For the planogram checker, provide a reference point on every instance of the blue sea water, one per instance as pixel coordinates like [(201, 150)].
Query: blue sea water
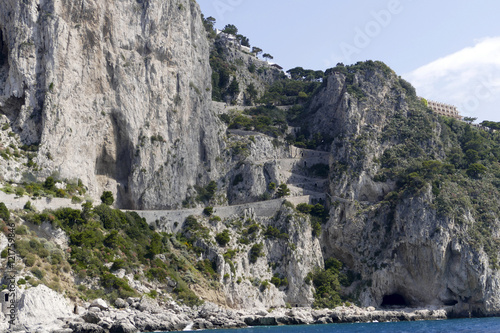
[(475, 325)]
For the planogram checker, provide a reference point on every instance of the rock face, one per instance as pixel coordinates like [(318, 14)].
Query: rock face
[(109, 93), (292, 256), (249, 71), (42, 307), (406, 251), (117, 93)]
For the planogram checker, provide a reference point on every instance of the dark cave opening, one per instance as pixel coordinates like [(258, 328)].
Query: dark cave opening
[(393, 300)]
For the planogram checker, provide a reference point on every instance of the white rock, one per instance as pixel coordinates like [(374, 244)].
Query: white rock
[(149, 305), (43, 306), (100, 303), (4, 242)]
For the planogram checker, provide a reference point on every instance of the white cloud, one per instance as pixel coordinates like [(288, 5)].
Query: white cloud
[(469, 79)]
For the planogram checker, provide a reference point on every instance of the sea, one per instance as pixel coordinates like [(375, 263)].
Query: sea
[(474, 325)]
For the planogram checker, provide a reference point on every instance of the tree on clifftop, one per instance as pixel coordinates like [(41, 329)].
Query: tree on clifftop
[(267, 56), (243, 40), (209, 24), (256, 50), (230, 29), (470, 120)]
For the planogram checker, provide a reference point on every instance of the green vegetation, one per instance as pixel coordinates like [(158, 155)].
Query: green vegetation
[(230, 29), (107, 198), (256, 252), (223, 238), (158, 137), (290, 92), (458, 163), (273, 232), (267, 56), (208, 210), (251, 91), (214, 219), (192, 230), (221, 74), (209, 24), (327, 285), (489, 124), (49, 184), (283, 191), (98, 235), (48, 188), (475, 170), (234, 88), (4, 212), (225, 86), (250, 233), (278, 281), (265, 119), (207, 267), (304, 139), (205, 194), (318, 216), (27, 206), (301, 74)]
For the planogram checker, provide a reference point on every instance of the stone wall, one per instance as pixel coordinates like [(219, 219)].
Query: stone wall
[(171, 220)]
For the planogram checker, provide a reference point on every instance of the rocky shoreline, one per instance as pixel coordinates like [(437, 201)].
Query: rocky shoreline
[(145, 316), (148, 315)]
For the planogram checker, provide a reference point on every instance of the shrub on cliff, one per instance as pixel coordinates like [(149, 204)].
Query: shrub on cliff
[(326, 284), (156, 246), (4, 212), (283, 191), (208, 210), (205, 194), (223, 238), (107, 198), (50, 184), (256, 252), (475, 170)]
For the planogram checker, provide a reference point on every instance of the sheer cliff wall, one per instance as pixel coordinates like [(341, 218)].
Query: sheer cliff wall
[(116, 93)]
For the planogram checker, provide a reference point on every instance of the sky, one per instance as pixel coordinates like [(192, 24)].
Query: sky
[(449, 50)]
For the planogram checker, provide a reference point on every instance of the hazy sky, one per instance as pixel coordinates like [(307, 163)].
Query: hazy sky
[(449, 50)]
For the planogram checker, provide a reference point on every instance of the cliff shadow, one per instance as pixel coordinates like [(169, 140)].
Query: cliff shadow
[(4, 62), (9, 105), (114, 160)]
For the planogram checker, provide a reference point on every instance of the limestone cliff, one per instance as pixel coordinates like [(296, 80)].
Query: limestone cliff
[(113, 93), (400, 213), (289, 256), (230, 62), (118, 94)]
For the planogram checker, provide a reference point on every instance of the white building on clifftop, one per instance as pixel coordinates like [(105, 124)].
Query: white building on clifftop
[(444, 109)]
